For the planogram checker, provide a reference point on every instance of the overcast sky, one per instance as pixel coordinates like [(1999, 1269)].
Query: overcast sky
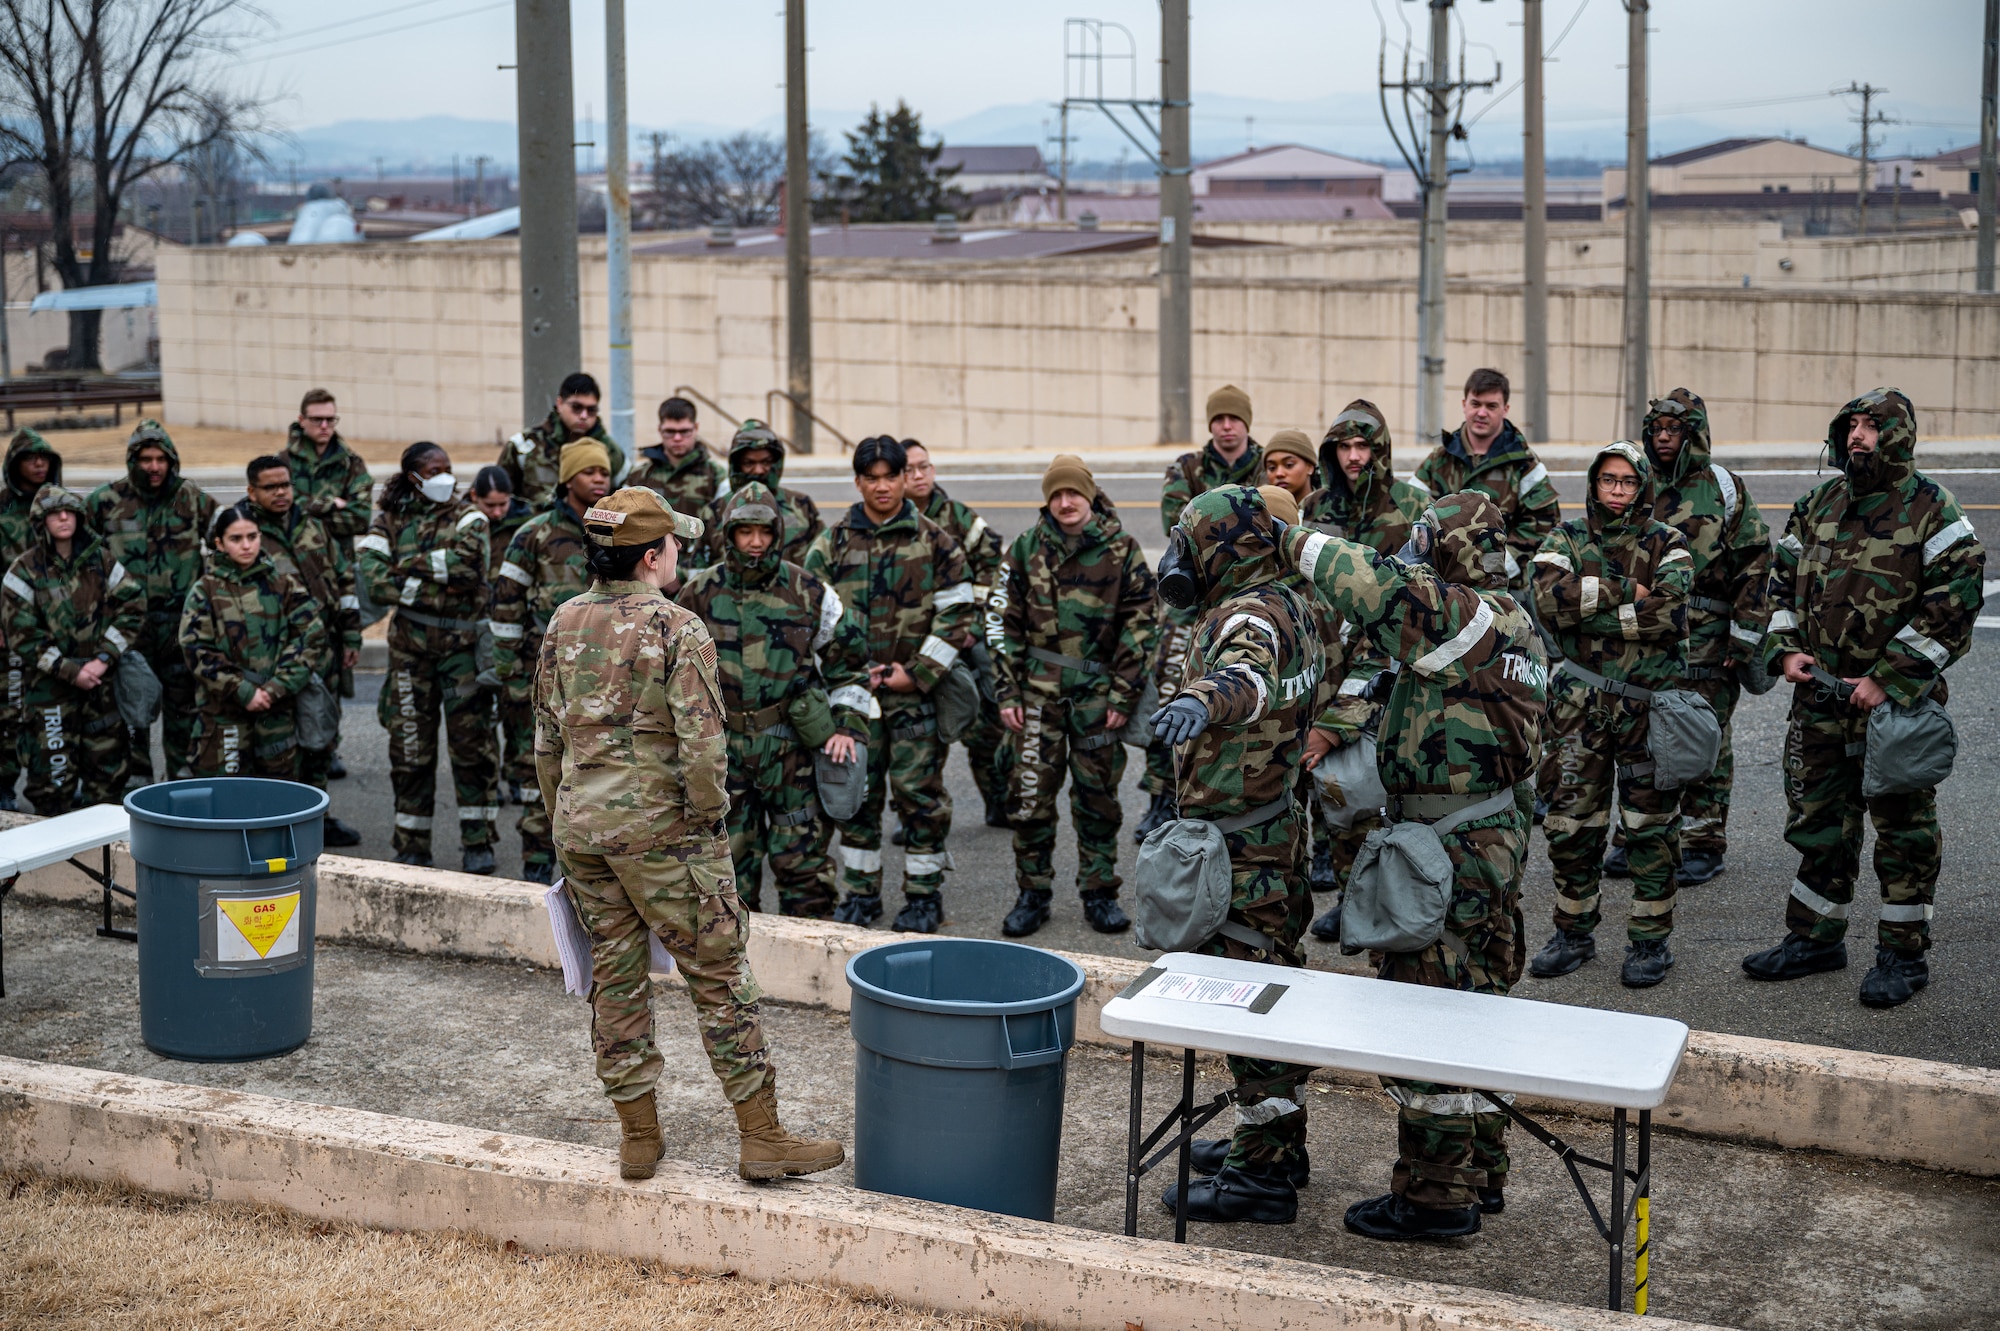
[(721, 65)]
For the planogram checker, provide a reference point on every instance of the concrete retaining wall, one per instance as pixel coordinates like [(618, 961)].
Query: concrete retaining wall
[(376, 1169), (1770, 1092)]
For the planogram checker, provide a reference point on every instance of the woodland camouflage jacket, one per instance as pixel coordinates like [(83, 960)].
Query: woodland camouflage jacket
[(908, 583), (298, 544), (629, 746), (17, 494), (1511, 476), (250, 628), (60, 613), (1879, 572), (1465, 715), (1254, 662), (429, 558), (320, 478), (690, 485), (544, 566), (1586, 580), (159, 535), (1729, 605), (531, 457), (1088, 597)]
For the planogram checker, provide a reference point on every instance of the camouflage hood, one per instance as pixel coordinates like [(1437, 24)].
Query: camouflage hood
[(752, 505), (53, 498), (1896, 454), (26, 444), (1231, 542), (1637, 513), (1468, 539), (1359, 419), (150, 433), (1692, 412), (756, 434)]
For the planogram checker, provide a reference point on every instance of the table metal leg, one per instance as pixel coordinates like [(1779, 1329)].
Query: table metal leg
[(108, 886), (1132, 1133), (1617, 1210), (1187, 1145), (1642, 1204), (5, 888)]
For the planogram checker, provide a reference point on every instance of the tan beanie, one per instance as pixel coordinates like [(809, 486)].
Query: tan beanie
[(1279, 500), (1295, 443), (1229, 400), (581, 456), (1067, 472)]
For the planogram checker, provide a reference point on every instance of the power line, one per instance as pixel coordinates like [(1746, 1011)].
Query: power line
[(341, 23), (384, 32)]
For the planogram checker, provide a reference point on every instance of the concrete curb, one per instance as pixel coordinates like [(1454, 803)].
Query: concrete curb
[(376, 1169), (1768, 1092)]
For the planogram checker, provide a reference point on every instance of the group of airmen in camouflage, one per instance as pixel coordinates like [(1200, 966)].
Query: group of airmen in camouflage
[(658, 672)]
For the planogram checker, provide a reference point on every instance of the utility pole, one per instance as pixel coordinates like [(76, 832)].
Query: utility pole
[(798, 231), (1869, 118), (1989, 151), (1534, 231), (6, 351), (479, 184), (551, 342), (1638, 223), (1176, 230), (618, 229), (1062, 166)]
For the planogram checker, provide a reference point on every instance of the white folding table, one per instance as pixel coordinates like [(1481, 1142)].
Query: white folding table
[(64, 837), (1323, 1020)]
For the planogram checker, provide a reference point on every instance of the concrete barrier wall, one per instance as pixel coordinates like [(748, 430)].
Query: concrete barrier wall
[(422, 340), (376, 1169), (1770, 1092)]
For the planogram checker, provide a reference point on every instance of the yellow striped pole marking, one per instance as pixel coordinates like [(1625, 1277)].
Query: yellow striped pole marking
[(1644, 1206)]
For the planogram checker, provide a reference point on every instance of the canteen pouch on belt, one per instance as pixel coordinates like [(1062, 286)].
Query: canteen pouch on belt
[(956, 698), (1909, 748), (316, 716), (137, 691), (1349, 784), (1138, 731), (1682, 737), (841, 785), (1181, 883), (810, 716), (1398, 891)]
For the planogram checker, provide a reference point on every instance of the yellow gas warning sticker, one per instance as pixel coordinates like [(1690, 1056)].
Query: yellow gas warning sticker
[(254, 928)]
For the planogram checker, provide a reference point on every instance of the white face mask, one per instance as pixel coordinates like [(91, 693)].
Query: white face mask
[(439, 488)]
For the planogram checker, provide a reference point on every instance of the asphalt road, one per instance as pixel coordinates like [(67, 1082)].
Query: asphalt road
[(1957, 1019)]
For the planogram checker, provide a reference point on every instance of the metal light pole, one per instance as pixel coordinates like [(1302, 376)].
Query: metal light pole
[(1176, 230), (1638, 223), (1989, 158), (1430, 252), (551, 342), (618, 229), (798, 231), (1534, 231)]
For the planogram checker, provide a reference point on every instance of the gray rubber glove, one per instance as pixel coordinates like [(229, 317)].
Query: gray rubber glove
[(1180, 720)]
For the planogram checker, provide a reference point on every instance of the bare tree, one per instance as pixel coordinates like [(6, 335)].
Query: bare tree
[(98, 95), (736, 180)]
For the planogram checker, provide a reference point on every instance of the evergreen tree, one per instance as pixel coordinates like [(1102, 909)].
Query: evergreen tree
[(889, 174)]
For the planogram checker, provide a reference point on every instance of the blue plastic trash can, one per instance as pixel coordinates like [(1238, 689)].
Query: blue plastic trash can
[(961, 1046), (227, 904)]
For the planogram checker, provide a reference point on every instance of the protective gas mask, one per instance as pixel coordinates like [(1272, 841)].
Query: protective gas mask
[(439, 488), (1180, 576), (1417, 548)]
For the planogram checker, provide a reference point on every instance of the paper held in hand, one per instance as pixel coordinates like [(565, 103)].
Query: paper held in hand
[(573, 944)]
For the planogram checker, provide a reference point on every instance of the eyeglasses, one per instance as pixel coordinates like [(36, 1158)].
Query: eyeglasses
[(583, 408), (275, 486), (678, 432), (322, 420), (1618, 484)]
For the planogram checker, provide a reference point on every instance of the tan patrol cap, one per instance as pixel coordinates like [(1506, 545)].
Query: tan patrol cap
[(636, 515)]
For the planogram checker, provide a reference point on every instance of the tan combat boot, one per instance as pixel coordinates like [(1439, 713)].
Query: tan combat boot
[(768, 1151), (640, 1147)]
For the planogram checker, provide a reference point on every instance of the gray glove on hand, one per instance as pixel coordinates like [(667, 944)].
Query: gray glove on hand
[(1180, 720)]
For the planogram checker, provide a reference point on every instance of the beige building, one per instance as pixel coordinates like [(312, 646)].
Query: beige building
[(1744, 167)]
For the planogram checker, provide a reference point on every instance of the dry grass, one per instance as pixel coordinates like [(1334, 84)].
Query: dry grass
[(89, 1255)]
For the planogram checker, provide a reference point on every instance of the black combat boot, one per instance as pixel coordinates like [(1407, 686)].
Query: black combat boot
[(1617, 864), (1208, 1157), (1796, 958), (996, 813), (336, 770), (1541, 810), (477, 859), (337, 833), (1895, 978), (1327, 927), (538, 873), (1261, 1197), (899, 837), (1492, 1201), (862, 908), (420, 858), (1160, 811), (920, 915), (1697, 867), (1322, 877), (1392, 1219), (1031, 912), (1102, 912), (1646, 963), (8, 803), (1563, 953)]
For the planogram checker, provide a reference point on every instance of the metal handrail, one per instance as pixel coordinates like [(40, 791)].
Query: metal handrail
[(707, 401), (811, 415)]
